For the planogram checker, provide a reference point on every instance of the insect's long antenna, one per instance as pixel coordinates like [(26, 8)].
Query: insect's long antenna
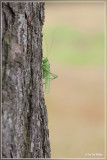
[(49, 50), (52, 41), (46, 44)]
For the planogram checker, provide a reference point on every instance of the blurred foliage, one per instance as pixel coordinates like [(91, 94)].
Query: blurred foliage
[(69, 46), (74, 33)]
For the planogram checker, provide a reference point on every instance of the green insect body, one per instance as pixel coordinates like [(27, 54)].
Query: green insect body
[(47, 74)]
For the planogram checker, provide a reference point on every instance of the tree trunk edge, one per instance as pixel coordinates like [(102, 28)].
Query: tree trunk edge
[(24, 113)]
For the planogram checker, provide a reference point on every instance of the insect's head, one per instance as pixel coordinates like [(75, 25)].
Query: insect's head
[(45, 60)]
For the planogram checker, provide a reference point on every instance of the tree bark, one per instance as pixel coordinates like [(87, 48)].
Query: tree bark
[(24, 115)]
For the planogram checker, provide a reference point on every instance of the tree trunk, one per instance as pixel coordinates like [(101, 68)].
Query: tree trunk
[(24, 115)]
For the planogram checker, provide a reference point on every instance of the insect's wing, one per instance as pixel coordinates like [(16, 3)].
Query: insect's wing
[(44, 74), (47, 82)]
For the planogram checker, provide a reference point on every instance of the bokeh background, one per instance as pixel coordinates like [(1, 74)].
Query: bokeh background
[(73, 41)]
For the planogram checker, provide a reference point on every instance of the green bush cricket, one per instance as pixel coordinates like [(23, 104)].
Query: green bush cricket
[(47, 75)]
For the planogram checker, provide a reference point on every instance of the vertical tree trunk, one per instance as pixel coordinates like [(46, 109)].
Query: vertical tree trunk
[(24, 116)]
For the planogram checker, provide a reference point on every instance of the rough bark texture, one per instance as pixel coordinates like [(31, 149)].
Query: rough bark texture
[(24, 116)]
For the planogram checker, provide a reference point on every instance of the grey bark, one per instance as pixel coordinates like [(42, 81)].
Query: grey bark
[(25, 131)]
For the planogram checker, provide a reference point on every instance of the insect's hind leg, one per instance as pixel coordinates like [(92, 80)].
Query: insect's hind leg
[(54, 76)]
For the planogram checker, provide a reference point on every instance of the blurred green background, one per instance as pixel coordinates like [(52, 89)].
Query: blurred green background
[(73, 41)]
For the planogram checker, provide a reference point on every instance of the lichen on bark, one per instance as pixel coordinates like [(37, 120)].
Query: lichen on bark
[(25, 131)]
